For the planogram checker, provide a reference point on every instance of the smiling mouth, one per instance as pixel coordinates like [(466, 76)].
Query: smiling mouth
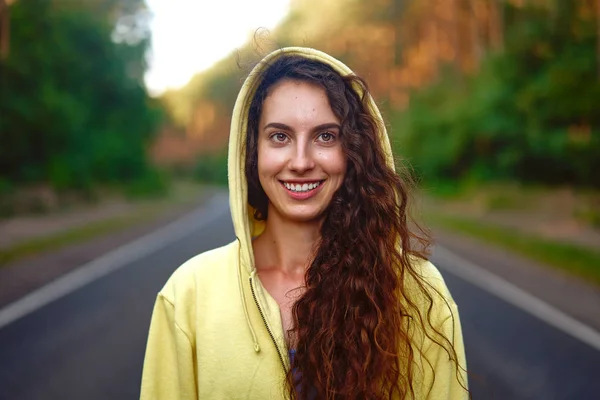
[(302, 187)]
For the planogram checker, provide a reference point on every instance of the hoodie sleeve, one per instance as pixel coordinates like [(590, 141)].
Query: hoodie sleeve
[(169, 371), (443, 379), (447, 381)]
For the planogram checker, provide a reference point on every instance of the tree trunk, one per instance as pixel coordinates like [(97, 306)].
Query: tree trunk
[(598, 38), (455, 32), (396, 25), (435, 48), (497, 25), (475, 33), (4, 29)]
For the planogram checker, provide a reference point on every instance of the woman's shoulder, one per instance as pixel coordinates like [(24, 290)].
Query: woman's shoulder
[(209, 268), (429, 286), (437, 337), (426, 270)]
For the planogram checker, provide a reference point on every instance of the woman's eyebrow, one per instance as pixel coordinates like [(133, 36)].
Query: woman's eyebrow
[(277, 125), (329, 125)]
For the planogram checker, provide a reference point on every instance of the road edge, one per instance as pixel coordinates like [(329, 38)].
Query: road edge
[(113, 260)]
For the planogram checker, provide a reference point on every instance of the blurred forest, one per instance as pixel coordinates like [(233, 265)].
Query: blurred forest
[(74, 112), (476, 90), (473, 90)]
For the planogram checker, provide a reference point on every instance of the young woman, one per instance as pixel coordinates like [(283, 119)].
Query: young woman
[(323, 294)]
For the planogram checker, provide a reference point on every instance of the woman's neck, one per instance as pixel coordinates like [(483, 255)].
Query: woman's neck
[(287, 245)]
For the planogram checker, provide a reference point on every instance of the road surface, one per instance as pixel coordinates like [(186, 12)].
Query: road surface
[(89, 343)]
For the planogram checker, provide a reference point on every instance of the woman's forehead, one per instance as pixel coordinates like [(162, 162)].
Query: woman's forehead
[(298, 103)]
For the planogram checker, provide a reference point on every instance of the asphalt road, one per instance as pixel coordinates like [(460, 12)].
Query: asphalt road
[(90, 343), (512, 355)]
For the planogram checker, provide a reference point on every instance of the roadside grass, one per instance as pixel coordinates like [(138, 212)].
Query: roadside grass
[(71, 236), (582, 205), (571, 258), (145, 211)]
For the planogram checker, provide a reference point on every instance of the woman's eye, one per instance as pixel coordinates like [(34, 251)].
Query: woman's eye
[(327, 137), (279, 137)]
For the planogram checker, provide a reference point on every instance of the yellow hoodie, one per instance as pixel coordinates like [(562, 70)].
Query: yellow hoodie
[(216, 333)]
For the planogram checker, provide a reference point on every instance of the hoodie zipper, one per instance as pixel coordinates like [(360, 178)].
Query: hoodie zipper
[(266, 325)]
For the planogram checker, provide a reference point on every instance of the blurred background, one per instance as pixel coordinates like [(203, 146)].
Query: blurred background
[(114, 121)]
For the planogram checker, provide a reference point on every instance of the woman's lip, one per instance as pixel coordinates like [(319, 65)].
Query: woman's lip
[(302, 195), (301, 182)]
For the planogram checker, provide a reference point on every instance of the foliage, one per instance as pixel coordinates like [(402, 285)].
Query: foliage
[(74, 109), (575, 259), (212, 169), (475, 90), (530, 113)]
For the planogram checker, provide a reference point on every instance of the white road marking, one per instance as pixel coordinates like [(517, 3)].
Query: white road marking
[(184, 226), (114, 260), (510, 293)]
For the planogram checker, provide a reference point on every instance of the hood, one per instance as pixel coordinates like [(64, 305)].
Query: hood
[(245, 226)]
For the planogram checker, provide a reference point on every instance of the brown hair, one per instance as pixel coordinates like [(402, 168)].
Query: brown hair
[(352, 321)]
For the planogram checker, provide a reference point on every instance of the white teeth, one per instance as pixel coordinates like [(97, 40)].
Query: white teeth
[(301, 187)]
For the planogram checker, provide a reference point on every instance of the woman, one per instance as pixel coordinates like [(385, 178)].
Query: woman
[(323, 294)]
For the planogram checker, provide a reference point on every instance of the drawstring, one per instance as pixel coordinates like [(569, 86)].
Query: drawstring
[(244, 304)]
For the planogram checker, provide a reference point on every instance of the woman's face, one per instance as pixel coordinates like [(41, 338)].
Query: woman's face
[(301, 162)]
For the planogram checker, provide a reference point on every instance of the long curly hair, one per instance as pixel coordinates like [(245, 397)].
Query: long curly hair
[(352, 322)]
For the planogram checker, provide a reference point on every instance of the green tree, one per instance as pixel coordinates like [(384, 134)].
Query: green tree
[(74, 111)]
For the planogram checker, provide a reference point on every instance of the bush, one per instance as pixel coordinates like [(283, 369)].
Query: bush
[(212, 169), (154, 183), (530, 114), (74, 109)]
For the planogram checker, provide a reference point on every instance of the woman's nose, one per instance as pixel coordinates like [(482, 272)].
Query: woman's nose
[(301, 160)]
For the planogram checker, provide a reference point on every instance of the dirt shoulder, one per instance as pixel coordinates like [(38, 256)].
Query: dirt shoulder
[(131, 220), (571, 294), (555, 227), (544, 241), (561, 214)]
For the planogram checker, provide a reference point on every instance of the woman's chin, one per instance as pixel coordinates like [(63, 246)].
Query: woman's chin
[(300, 214)]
